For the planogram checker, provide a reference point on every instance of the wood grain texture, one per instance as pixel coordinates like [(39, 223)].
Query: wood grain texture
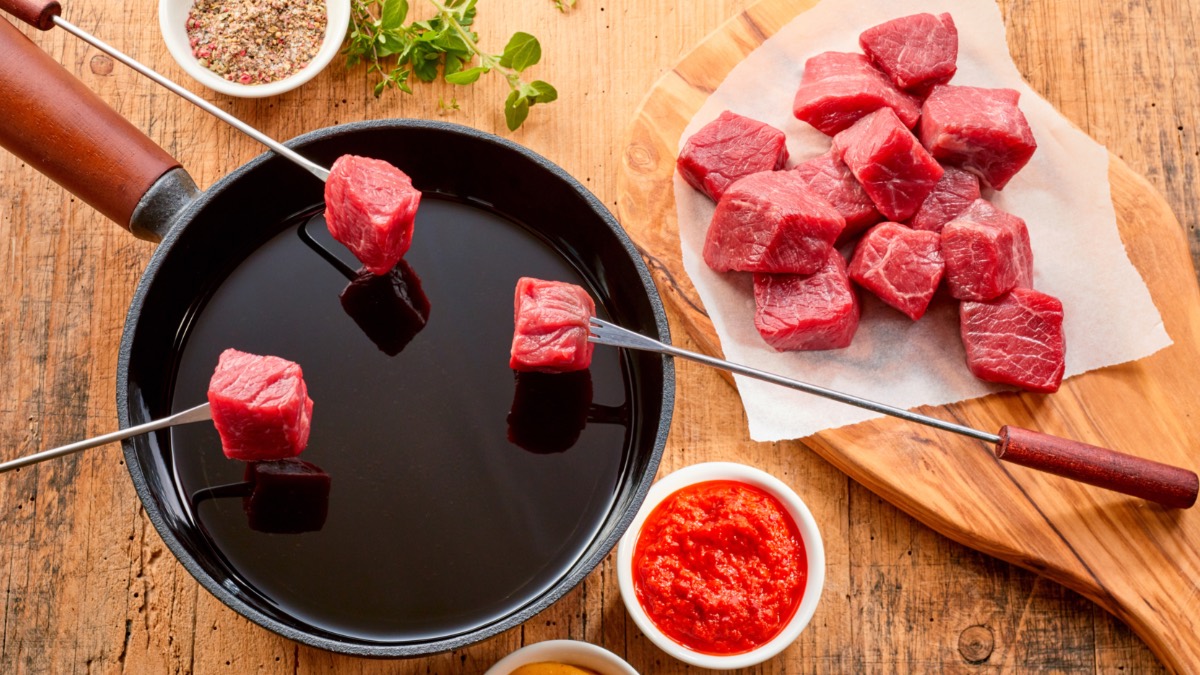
[(89, 587)]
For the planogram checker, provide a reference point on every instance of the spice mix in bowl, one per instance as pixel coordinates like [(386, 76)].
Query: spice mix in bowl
[(253, 48)]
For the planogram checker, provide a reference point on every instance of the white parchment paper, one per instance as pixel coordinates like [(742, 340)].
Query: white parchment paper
[(1063, 195)]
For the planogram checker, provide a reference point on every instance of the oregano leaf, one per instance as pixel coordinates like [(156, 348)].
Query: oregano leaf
[(522, 51), (393, 15)]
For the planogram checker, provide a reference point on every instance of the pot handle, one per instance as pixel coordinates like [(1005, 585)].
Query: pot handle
[(61, 128), (37, 13)]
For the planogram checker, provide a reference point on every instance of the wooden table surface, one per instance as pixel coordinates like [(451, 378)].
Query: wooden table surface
[(88, 586)]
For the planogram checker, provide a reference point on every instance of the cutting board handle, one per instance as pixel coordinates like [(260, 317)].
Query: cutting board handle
[(55, 124), (1162, 483), (37, 13)]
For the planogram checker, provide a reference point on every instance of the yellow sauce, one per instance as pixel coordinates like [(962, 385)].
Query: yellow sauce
[(551, 669)]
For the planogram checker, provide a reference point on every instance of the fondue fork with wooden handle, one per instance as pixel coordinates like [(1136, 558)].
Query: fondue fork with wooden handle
[(45, 14), (1162, 483)]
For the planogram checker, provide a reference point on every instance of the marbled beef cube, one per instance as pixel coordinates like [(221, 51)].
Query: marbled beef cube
[(807, 312), (837, 64), (771, 222), (838, 89), (1016, 339), (260, 406), (956, 191), (900, 265), (892, 167), (917, 51), (981, 130), (728, 148), (829, 177), (987, 253), (551, 327), (370, 207)]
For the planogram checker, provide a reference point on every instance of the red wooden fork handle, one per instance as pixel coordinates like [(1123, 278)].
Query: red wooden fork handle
[(1162, 483), (37, 13)]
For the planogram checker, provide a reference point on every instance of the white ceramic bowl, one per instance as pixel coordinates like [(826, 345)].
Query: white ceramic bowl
[(570, 652), (814, 550), (172, 17)]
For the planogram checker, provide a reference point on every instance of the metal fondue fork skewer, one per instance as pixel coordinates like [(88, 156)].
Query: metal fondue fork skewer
[(1162, 483), (198, 414)]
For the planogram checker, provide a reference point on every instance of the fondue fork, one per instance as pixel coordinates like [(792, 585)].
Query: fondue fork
[(198, 414), (1168, 485)]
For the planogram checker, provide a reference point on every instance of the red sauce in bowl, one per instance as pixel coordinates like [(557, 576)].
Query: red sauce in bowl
[(720, 567)]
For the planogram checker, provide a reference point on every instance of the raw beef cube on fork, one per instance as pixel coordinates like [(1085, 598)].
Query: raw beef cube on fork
[(956, 191), (900, 265), (1016, 339), (917, 51), (807, 312), (771, 222), (886, 159), (829, 177), (728, 148), (551, 327), (981, 130), (260, 406), (370, 207), (838, 88), (987, 253)]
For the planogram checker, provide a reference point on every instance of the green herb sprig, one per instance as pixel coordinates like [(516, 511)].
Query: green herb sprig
[(378, 33)]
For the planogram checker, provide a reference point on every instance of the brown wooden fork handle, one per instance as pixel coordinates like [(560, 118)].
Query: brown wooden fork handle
[(1162, 483), (55, 124), (37, 13)]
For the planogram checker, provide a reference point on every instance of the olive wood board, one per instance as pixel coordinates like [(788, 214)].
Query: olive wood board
[(1137, 560)]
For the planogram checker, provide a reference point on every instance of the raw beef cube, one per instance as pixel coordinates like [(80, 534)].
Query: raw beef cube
[(771, 222), (370, 206), (829, 177), (391, 309), (987, 252), (728, 148), (288, 496), (836, 64), (838, 89), (1016, 339), (951, 196), (549, 412), (260, 406), (807, 312), (917, 51), (551, 327), (981, 130), (901, 266), (894, 170)]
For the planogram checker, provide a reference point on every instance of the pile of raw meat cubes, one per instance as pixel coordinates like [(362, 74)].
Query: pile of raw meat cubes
[(901, 187)]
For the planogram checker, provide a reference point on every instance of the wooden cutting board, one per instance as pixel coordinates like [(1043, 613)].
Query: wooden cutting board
[(1137, 560)]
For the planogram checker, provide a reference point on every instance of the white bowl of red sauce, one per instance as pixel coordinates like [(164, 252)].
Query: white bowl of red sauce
[(722, 567)]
